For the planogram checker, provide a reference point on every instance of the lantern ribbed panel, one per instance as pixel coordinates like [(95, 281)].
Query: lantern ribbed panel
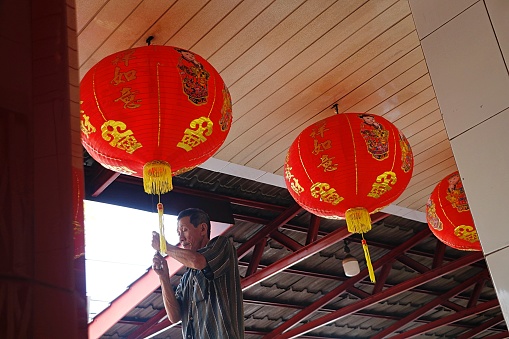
[(449, 217), (152, 95), (349, 160)]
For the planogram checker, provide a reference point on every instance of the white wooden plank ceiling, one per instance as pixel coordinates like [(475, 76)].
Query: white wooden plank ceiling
[(286, 62)]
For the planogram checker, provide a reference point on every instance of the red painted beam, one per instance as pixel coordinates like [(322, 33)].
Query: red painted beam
[(481, 328), (296, 257), (314, 226), (439, 254), (390, 292), (324, 300), (283, 218), (285, 240), (432, 304), (502, 335), (102, 181), (256, 257), (449, 319), (382, 277), (146, 328), (476, 293)]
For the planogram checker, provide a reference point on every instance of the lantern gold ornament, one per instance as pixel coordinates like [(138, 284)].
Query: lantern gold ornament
[(349, 165)]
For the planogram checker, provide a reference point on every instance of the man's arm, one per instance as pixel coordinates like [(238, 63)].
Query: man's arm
[(171, 303), (188, 258)]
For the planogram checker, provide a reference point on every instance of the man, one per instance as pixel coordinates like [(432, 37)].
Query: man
[(208, 299)]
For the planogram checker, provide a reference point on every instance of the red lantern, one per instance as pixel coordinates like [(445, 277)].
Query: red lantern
[(349, 166), (449, 217), (154, 112)]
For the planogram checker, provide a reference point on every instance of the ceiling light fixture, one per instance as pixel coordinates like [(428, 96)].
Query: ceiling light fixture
[(350, 263)]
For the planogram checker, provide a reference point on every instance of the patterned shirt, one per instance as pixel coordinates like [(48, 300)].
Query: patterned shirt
[(211, 299)]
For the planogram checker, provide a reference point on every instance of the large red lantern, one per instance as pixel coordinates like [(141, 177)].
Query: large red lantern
[(154, 112), (349, 166), (449, 217)]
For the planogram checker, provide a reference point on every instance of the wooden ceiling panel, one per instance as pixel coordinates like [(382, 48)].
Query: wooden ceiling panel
[(99, 30), (87, 12), (409, 106), (228, 27), (200, 24), (260, 26), (168, 24), (294, 113), (286, 63), (418, 148)]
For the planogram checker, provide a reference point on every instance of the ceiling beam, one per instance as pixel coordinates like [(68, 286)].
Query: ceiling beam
[(449, 319), (256, 257), (432, 304), (390, 292), (283, 218), (314, 226), (324, 300), (482, 327), (296, 257)]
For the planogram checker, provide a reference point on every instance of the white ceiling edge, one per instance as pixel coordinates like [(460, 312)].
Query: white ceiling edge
[(222, 166)]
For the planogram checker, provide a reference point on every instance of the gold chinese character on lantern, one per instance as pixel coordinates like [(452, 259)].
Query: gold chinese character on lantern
[(321, 146), (318, 131), (125, 57), (327, 194), (467, 233), (120, 77), (116, 133), (194, 136), (383, 184), (128, 97), (327, 164), (296, 187), (86, 126)]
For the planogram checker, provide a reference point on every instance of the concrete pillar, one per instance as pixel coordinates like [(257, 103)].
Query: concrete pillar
[(466, 46), (39, 145)]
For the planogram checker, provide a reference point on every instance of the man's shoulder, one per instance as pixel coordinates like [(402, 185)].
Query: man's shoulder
[(220, 239)]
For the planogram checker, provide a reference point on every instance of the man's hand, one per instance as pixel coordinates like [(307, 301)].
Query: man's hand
[(160, 265), (155, 241)]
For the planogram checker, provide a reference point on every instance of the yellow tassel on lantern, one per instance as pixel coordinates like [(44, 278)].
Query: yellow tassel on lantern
[(162, 240), (358, 220), (368, 260), (157, 177)]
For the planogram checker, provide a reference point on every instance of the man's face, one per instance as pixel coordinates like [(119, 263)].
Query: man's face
[(191, 238)]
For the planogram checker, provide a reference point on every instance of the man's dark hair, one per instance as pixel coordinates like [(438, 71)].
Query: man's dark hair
[(196, 217)]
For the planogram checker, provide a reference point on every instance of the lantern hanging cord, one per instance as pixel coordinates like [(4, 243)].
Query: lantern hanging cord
[(149, 40), (346, 248)]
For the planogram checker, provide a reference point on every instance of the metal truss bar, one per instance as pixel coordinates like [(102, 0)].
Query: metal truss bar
[(324, 300), (294, 258), (449, 319), (390, 292), (432, 304), (284, 217)]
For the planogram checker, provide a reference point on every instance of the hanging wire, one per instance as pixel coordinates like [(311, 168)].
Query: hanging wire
[(149, 40), (346, 248)]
